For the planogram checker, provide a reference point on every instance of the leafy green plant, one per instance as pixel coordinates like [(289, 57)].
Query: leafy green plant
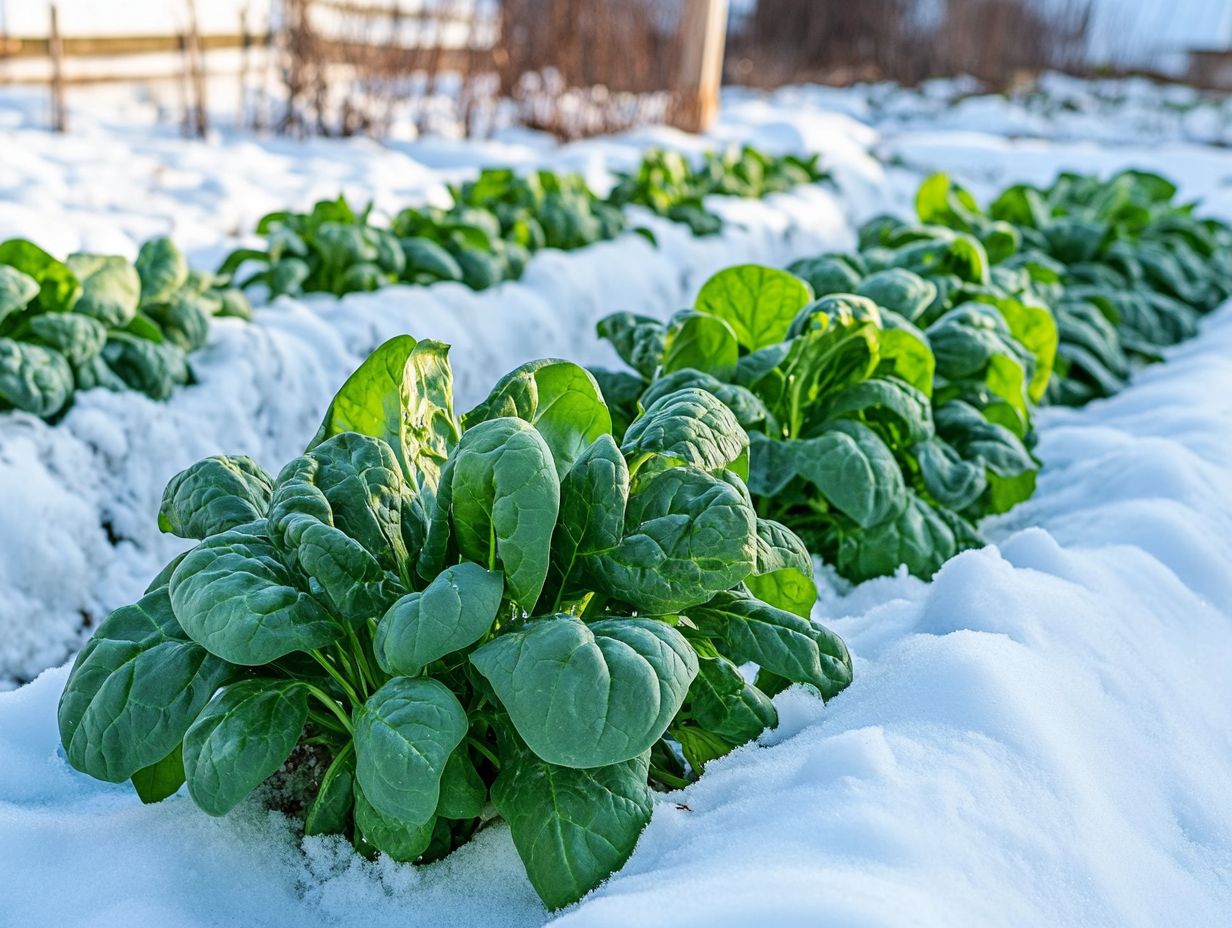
[(100, 321), (878, 443), (542, 209), (507, 610), (669, 185), (1125, 270), (331, 248)]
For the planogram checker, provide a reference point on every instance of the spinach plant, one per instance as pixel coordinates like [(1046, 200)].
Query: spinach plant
[(101, 321), (509, 612), (1124, 269), (865, 440), (332, 248), (669, 185)]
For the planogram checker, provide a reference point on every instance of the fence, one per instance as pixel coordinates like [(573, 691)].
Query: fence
[(340, 67)]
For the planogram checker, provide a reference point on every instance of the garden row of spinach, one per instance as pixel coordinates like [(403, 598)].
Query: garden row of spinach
[(593, 583), (430, 616), (890, 393), (95, 320), (496, 222), (101, 321)]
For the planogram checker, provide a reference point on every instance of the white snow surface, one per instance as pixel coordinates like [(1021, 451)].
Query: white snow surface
[(1037, 737)]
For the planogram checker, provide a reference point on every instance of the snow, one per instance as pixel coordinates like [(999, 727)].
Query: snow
[(87, 541), (1036, 737)]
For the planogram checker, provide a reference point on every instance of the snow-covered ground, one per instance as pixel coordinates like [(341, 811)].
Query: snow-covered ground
[(1037, 737), (1056, 107), (78, 500)]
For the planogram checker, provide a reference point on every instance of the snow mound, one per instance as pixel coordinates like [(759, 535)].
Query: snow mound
[(1037, 737)]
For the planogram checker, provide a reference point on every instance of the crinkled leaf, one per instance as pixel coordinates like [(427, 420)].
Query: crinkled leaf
[(162, 269), (783, 571), (404, 735), (402, 394), (134, 690), (920, 537), (245, 734), (110, 288), (593, 495), (687, 535), (453, 612), (234, 597), (152, 368), (848, 464), (78, 338), (639, 340), (33, 378), (560, 399), (16, 290), (336, 515), (723, 702), (214, 495), (689, 426), (586, 696), (776, 640), (505, 497)]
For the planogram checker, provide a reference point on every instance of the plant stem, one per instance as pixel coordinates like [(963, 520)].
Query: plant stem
[(484, 750), (361, 661), (330, 703), (338, 678), (668, 779)]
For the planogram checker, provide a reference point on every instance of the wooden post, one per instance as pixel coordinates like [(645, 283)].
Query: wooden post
[(196, 72), (59, 113), (241, 118), (703, 32)]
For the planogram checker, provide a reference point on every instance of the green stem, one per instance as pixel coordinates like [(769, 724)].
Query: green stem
[(331, 704), (668, 779), (484, 750), (361, 661), (338, 678), (323, 719)]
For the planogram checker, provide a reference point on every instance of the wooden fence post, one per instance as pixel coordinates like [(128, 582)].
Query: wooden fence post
[(196, 71), (241, 119), (703, 32), (59, 113)]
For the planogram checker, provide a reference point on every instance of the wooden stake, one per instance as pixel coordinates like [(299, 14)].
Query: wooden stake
[(703, 32), (59, 112), (196, 71), (245, 53)]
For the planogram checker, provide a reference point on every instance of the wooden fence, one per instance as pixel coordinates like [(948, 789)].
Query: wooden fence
[(366, 38)]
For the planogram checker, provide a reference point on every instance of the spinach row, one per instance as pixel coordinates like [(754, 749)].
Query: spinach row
[(101, 321), (495, 223)]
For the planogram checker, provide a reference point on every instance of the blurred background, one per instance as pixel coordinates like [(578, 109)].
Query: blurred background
[(574, 69)]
